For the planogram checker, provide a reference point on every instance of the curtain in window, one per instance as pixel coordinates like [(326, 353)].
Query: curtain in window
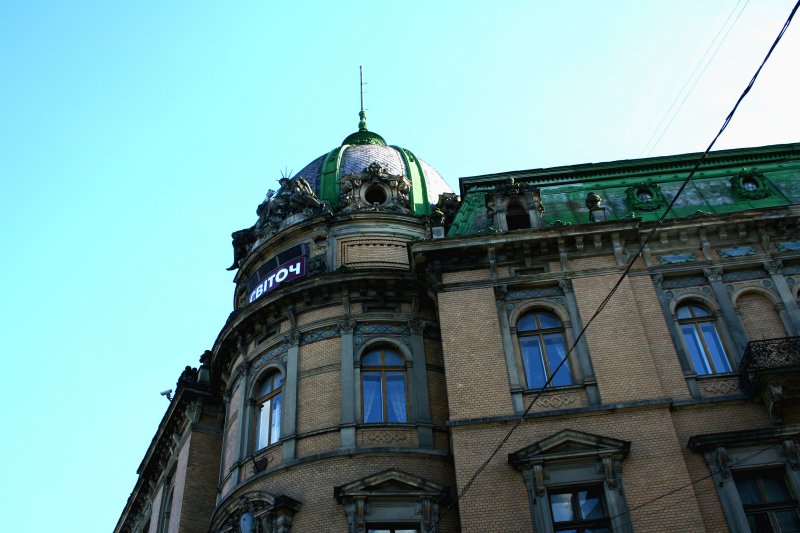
[(396, 396), (373, 405)]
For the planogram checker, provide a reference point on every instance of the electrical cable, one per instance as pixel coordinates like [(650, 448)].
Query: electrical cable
[(627, 270), (702, 59), (697, 80), (674, 491)]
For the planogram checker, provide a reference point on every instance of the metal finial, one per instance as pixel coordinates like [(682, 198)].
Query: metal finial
[(362, 123)]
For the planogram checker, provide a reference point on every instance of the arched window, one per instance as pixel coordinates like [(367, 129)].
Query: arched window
[(702, 339), (268, 410), (543, 348), (383, 386), (517, 217)]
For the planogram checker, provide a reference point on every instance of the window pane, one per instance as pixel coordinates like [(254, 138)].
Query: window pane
[(263, 425), (527, 323), (396, 396), (597, 530), (775, 487), (700, 311), (548, 321), (683, 312), (554, 345), (561, 507), (275, 428), (759, 523), (715, 347), (696, 351), (787, 520), (267, 386), (392, 359), (532, 359), (372, 359), (591, 503), (373, 407), (748, 490)]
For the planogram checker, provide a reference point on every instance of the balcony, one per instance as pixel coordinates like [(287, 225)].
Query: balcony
[(770, 372)]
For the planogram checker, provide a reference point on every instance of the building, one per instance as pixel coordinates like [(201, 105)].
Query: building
[(387, 333)]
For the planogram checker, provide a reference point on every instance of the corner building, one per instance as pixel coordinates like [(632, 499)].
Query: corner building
[(387, 333)]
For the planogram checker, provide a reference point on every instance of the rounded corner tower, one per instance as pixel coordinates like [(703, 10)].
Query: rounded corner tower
[(330, 364)]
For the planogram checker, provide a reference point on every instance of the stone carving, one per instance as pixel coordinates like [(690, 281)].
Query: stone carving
[(374, 189), (387, 437), (446, 208), (294, 201), (556, 402), (721, 387)]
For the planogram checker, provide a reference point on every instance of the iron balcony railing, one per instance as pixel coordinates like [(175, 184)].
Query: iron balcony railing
[(769, 354)]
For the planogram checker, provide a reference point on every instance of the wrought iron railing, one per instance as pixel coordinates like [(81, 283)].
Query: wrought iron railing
[(768, 354)]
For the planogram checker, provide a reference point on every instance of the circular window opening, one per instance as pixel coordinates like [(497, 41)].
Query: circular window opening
[(749, 184), (375, 195), (644, 195)]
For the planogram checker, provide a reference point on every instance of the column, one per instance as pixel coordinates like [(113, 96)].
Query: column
[(589, 380), (688, 371), (347, 429), (289, 422), (422, 405), (732, 321)]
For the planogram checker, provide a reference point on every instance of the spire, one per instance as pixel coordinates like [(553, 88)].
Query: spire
[(362, 115), (363, 135)]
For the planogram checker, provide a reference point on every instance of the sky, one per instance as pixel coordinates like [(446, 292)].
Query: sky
[(135, 136)]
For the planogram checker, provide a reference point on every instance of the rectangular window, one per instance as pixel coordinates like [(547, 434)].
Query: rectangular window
[(579, 510), (767, 501)]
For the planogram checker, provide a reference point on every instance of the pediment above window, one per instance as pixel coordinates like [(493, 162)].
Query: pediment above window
[(390, 483), (569, 445)]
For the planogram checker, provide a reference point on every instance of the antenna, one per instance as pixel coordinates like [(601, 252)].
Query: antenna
[(362, 123), (361, 75)]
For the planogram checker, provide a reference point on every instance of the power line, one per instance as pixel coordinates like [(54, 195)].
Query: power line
[(697, 80), (702, 59), (625, 272)]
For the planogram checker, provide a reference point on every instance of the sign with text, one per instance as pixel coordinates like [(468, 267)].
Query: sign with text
[(296, 268)]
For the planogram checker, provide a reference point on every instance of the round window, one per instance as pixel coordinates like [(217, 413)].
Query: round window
[(375, 194), (644, 195)]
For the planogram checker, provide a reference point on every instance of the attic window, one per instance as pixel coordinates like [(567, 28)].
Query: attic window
[(644, 195), (517, 217), (749, 184), (375, 195)]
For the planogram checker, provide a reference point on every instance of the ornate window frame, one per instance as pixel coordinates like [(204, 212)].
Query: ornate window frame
[(512, 302), (250, 434), (391, 496), (727, 452), (750, 185), (573, 359), (255, 511), (713, 318), (402, 351), (571, 458), (635, 202)]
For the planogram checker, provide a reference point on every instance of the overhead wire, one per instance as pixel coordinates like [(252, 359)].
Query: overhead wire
[(630, 511), (697, 80), (625, 273), (702, 59)]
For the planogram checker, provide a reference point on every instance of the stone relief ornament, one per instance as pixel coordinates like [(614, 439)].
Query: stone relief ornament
[(374, 189), (294, 202)]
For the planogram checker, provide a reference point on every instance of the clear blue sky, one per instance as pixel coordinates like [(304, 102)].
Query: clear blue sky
[(136, 136)]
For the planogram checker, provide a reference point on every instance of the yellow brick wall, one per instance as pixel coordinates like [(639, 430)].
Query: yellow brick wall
[(326, 313), (312, 484), (760, 319), (477, 376), (319, 354), (622, 360), (318, 401), (655, 455)]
